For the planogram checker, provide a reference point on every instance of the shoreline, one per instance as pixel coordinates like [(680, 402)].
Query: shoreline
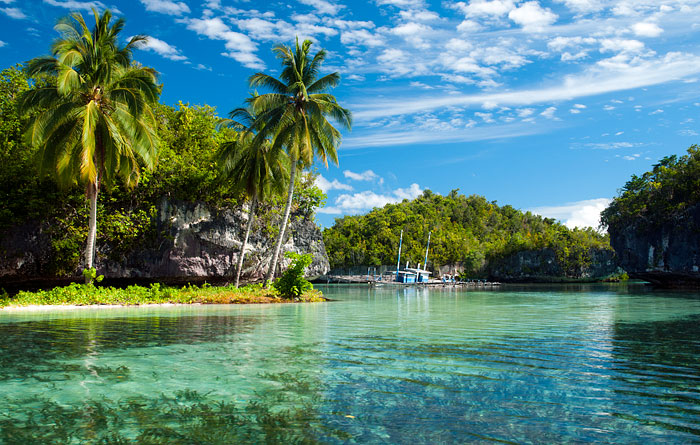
[(42, 307)]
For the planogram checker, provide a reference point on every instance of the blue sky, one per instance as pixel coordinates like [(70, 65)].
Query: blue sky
[(549, 106)]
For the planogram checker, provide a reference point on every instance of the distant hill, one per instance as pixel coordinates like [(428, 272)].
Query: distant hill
[(477, 236)]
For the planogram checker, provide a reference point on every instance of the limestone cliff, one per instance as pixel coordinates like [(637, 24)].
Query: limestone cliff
[(543, 266), (194, 241), (666, 253)]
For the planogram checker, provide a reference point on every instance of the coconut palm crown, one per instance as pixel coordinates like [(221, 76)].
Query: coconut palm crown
[(257, 169), (295, 115), (93, 120)]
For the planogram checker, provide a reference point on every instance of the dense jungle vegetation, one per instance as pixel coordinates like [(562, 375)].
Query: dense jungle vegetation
[(470, 231), (186, 170), (659, 195)]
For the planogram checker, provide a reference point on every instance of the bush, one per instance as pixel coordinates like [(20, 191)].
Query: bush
[(292, 283)]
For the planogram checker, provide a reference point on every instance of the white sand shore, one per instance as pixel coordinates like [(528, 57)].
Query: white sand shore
[(54, 307)]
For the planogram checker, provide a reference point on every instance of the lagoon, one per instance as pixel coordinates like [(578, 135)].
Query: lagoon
[(574, 363)]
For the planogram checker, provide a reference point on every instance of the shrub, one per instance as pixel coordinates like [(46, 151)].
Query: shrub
[(292, 283)]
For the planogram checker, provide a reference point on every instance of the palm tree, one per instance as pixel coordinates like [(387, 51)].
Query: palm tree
[(295, 116), (257, 169), (94, 122)]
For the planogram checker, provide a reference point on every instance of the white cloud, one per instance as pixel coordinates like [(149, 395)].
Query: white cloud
[(323, 6), (549, 113), (162, 48), (166, 7), (387, 137), (2, 43), (657, 111), (607, 145), (647, 29), (532, 17), (367, 175), (593, 81), (367, 200), (634, 157), (361, 37), (583, 6), (688, 133), (326, 185), (576, 214), (240, 47), (481, 8), (402, 3), (621, 45), (15, 13), (77, 5), (580, 106)]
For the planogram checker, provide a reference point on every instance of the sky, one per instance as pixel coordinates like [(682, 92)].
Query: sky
[(549, 106)]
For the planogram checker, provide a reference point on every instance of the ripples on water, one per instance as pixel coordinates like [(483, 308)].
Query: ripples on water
[(580, 364)]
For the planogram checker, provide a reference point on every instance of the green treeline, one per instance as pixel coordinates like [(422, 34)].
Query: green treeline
[(659, 195), (467, 231), (186, 170)]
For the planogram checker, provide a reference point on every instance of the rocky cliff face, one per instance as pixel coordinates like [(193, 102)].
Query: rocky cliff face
[(196, 241), (667, 254), (542, 266)]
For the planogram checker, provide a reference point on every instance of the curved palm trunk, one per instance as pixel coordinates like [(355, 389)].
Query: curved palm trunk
[(290, 194), (251, 218), (92, 190)]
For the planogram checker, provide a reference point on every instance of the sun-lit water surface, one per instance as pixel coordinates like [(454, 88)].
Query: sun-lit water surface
[(387, 365)]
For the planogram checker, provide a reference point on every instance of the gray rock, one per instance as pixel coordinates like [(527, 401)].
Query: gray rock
[(666, 254), (542, 266), (196, 241)]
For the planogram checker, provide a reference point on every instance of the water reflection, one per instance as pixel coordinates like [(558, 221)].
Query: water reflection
[(407, 365)]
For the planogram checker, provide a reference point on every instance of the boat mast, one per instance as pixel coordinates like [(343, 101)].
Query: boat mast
[(425, 264), (398, 262)]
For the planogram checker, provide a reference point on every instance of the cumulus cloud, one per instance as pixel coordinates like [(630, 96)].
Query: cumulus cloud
[(163, 48), (323, 6), (576, 214), (485, 8), (15, 13), (166, 7), (77, 5), (647, 29), (549, 113), (326, 185), (239, 46), (532, 17), (367, 200), (367, 175)]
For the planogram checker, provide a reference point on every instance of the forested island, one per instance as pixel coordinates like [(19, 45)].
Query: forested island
[(654, 223), (472, 236)]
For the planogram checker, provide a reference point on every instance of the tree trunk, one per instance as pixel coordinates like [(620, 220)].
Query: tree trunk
[(251, 218), (92, 190), (290, 194)]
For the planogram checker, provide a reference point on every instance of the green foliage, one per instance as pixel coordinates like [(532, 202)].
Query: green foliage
[(85, 294), (126, 219), (470, 231), (91, 276), (292, 283), (657, 196)]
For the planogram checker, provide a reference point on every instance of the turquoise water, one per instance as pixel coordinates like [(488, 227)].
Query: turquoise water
[(391, 365)]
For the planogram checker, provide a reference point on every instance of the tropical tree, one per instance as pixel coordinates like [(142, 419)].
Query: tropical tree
[(94, 122), (253, 165), (294, 115)]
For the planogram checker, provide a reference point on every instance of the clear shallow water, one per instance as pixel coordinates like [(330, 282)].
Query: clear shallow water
[(529, 364)]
